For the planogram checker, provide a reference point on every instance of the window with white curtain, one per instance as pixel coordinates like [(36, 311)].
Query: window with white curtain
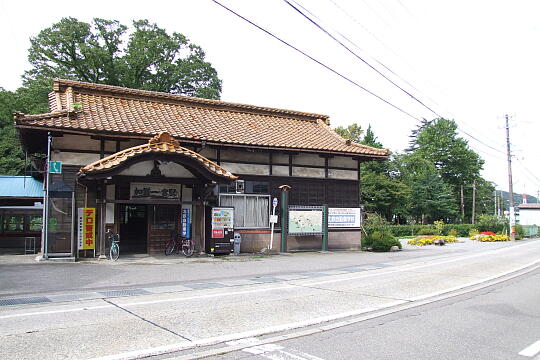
[(250, 211)]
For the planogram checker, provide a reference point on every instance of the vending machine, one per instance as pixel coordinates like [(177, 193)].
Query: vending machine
[(219, 230)]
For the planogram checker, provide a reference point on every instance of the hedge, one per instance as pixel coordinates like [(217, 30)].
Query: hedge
[(414, 230)]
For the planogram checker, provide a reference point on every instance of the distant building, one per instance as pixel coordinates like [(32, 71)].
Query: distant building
[(149, 163), (529, 214), (20, 213)]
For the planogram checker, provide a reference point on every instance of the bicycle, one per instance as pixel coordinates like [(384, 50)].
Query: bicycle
[(114, 250), (179, 243)]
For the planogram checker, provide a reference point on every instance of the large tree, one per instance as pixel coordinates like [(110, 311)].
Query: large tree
[(438, 142), (150, 59), (381, 192), (431, 198), (105, 51)]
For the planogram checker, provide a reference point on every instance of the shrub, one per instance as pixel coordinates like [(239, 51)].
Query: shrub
[(452, 232), (491, 223), (439, 226), (428, 230), (473, 232), (381, 241), (520, 232), (374, 219)]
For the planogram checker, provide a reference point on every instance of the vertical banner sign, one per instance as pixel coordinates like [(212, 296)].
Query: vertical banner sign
[(87, 229), (186, 223)]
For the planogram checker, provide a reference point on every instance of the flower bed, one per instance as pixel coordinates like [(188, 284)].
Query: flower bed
[(491, 237), (430, 240)]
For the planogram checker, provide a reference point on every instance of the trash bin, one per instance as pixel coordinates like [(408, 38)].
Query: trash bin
[(237, 242)]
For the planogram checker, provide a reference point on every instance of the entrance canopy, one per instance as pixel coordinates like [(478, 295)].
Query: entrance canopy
[(161, 147)]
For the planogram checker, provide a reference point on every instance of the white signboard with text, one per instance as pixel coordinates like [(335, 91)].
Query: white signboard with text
[(154, 191), (344, 218)]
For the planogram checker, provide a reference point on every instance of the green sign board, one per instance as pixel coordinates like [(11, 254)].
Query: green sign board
[(55, 167)]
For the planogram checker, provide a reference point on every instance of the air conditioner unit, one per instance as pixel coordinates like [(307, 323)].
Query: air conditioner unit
[(239, 186)]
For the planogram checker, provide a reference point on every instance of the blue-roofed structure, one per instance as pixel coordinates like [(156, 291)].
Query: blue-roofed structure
[(20, 214), (26, 187)]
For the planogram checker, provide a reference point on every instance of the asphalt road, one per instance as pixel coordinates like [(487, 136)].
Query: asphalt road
[(498, 322), (238, 300)]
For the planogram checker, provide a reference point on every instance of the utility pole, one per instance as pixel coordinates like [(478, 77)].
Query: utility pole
[(510, 187), (473, 201), (495, 204), (462, 205)]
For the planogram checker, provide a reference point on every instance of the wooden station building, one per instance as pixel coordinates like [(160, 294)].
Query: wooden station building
[(141, 157)]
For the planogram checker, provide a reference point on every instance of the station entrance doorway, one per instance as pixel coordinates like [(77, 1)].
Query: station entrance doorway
[(133, 228)]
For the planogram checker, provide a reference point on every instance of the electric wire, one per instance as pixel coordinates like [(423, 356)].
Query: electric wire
[(359, 57), (345, 77), (528, 171), (358, 47), (376, 70), (317, 61)]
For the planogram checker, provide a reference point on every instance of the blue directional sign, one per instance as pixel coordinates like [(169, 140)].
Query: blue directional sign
[(55, 167)]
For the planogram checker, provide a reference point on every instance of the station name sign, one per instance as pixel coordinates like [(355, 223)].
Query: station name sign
[(154, 191)]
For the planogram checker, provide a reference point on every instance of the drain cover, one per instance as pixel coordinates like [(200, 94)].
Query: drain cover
[(22, 301)]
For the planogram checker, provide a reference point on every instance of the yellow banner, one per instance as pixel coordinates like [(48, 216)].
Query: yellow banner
[(87, 228)]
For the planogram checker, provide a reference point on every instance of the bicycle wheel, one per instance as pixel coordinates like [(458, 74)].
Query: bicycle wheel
[(188, 248), (115, 251), (169, 247)]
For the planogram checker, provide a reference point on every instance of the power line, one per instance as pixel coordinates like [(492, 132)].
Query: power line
[(373, 68), (356, 45), (317, 61), (527, 170), (343, 76), (358, 56)]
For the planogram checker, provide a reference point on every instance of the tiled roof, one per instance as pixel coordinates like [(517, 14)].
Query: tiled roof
[(162, 143), (529, 206), (104, 109)]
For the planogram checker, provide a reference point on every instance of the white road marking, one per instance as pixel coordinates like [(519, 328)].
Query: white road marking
[(531, 350), (277, 352), (247, 341), (261, 349)]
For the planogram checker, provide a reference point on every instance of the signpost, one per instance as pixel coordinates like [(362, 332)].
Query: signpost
[(273, 221), (55, 167)]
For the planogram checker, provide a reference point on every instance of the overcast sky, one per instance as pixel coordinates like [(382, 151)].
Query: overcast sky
[(471, 61)]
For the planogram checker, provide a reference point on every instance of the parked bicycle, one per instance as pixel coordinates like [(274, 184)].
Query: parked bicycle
[(179, 243), (114, 249)]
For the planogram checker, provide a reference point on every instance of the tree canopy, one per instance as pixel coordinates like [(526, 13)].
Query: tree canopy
[(150, 58), (424, 183), (106, 52)]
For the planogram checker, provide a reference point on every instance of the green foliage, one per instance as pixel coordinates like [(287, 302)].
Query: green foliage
[(439, 226), (520, 232), (461, 230), (11, 155), (374, 219), (150, 59), (352, 132), (432, 197), (384, 195), (491, 223), (102, 52), (453, 232), (381, 241), (428, 230), (473, 232)]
